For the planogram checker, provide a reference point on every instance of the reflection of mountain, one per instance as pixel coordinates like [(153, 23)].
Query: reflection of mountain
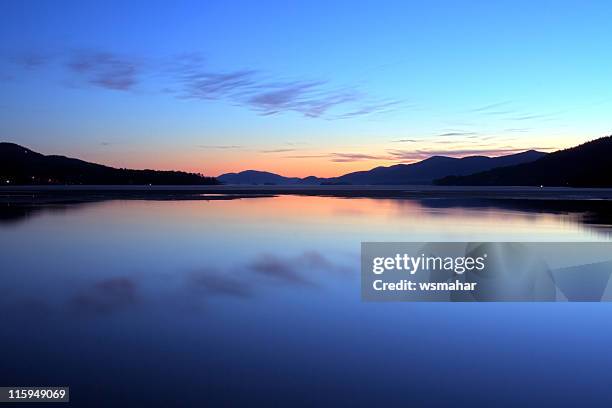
[(14, 214), (19, 165), (592, 212), (587, 165), (423, 172)]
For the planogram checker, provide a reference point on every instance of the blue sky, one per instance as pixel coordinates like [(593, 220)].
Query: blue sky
[(302, 87)]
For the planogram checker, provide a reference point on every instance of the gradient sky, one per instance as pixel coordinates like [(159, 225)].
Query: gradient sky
[(301, 88)]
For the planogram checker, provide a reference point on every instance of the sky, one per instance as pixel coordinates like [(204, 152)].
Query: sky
[(301, 88)]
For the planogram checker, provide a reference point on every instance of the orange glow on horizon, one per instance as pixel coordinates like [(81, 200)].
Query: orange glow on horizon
[(296, 164)]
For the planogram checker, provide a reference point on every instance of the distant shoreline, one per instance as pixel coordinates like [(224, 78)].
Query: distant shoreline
[(12, 194)]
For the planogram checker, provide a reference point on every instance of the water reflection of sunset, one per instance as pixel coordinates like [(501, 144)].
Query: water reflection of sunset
[(363, 218)]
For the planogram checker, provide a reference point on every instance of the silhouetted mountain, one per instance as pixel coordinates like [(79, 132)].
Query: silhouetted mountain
[(19, 165), (586, 165), (255, 177), (424, 172)]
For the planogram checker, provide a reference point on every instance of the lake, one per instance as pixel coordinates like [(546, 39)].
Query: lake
[(257, 301)]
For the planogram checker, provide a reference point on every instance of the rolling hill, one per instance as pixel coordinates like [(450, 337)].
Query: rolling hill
[(254, 177), (586, 165), (19, 165), (423, 172)]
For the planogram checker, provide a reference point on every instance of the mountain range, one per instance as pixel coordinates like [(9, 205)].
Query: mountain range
[(255, 177), (19, 165), (423, 172), (586, 165)]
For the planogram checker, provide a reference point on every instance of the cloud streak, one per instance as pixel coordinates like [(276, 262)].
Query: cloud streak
[(457, 134), (532, 117), (278, 269), (340, 157), (311, 99), (208, 85), (353, 157), (276, 150), (379, 107), (269, 96), (490, 107), (214, 283), (411, 155), (188, 76), (106, 296), (31, 60), (220, 147), (105, 70)]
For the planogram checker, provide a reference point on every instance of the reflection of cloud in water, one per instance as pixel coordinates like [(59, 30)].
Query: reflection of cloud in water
[(242, 281), (193, 289), (107, 296), (293, 269), (277, 268), (215, 283)]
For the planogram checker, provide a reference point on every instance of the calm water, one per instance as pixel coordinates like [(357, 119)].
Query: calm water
[(257, 301)]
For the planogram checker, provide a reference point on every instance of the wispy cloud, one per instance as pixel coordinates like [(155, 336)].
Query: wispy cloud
[(490, 107), (248, 279), (208, 85), (32, 59), (276, 150), (108, 295), (448, 134), (189, 76), (311, 99), (220, 147), (267, 95), (379, 107), (508, 113), (412, 155), (216, 283), (279, 268), (340, 157), (500, 112), (297, 270), (306, 156), (105, 70), (352, 157), (533, 116)]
